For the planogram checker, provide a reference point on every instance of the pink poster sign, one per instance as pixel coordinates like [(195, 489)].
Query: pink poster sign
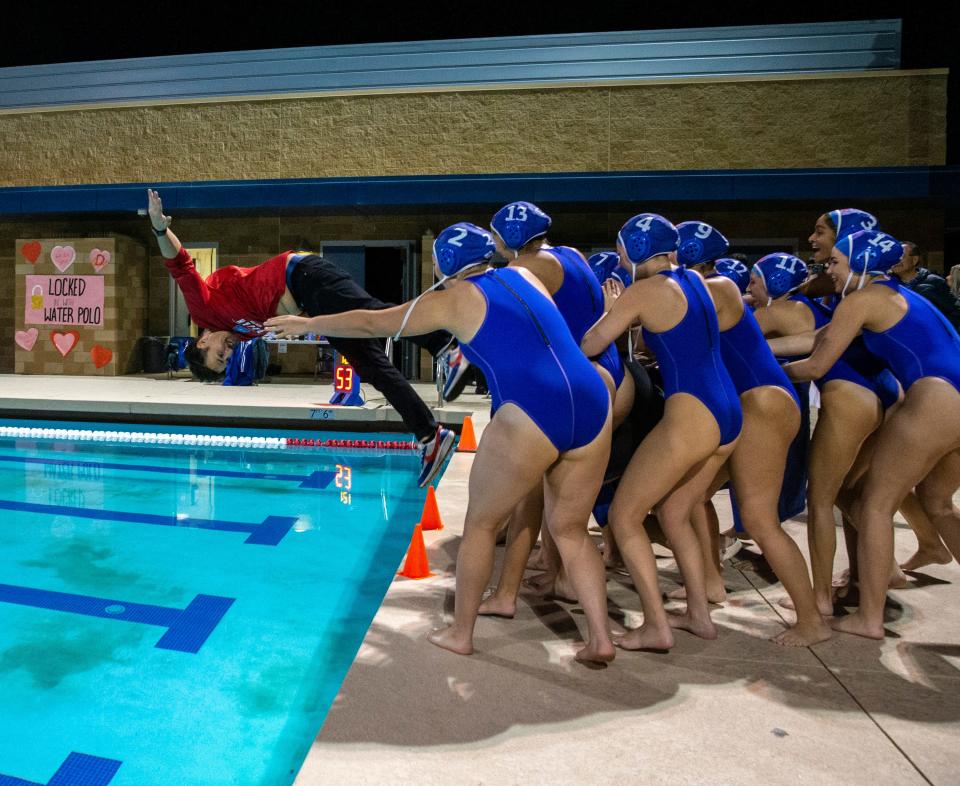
[(64, 300)]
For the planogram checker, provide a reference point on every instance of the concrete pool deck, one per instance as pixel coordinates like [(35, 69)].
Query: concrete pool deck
[(737, 710)]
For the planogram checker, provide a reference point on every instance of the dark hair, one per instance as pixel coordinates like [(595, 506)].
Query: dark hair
[(830, 222), (915, 250), (305, 244), (741, 258), (195, 358)]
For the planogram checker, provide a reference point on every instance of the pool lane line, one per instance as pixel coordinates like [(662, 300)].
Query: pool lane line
[(187, 629), (268, 533), (77, 769), (319, 479)]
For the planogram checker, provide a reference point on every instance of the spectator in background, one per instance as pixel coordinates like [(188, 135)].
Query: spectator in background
[(934, 288)]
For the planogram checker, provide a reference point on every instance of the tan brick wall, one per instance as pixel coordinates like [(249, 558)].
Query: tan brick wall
[(863, 120)]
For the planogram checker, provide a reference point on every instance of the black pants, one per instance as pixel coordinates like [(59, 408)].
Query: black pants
[(321, 287)]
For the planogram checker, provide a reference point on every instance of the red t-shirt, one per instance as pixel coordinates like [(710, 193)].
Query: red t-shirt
[(230, 296)]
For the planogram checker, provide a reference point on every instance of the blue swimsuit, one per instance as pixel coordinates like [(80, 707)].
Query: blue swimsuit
[(529, 358), (749, 360), (922, 344), (857, 364), (689, 357), (580, 301)]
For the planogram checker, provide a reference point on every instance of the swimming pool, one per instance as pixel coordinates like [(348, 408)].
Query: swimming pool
[(184, 614)]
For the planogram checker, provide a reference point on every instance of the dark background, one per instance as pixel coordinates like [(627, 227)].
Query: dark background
[(41, 32)]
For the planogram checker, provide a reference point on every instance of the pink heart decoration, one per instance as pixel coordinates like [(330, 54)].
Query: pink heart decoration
[(62, 257), (99, 259), (26, 338), (64, 342)]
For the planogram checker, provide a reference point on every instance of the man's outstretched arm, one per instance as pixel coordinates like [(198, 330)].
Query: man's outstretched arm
[(169, 243)]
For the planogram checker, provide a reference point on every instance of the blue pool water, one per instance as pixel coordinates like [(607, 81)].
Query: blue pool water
[(185, 615)]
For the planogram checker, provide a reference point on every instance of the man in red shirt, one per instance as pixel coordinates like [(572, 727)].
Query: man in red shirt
[(232, 304)]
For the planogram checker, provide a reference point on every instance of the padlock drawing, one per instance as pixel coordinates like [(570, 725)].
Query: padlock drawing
[(36, 298)]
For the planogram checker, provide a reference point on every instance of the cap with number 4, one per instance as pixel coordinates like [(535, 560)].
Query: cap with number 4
[(647, 235)]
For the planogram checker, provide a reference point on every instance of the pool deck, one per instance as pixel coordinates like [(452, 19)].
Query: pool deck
[(737, 710)]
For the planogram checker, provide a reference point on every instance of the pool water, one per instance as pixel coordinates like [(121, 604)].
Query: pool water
[(185, 615)]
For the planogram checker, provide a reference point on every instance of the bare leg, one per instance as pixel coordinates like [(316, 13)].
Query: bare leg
[(686, 436), (512, 457), (524, 525), (935, 493), (674, 513), (770, 422), (910, 445), (708, 537), (847, 417), (570, 490)]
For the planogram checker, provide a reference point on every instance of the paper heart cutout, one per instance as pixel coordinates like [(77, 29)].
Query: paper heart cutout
[(62, 257), (26, 338), (101, 355), (65, 341), (99, 259), (31, 251)]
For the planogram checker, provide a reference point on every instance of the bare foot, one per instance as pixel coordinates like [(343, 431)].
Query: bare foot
[(825, 607), (646, 639), (450, 639), (705, 629), (538, 560), (858, 626), (550, 585), (497, 606), (924, 557), (716, 594), (898, 580), (597, 653), (841, 579), (803, 635)]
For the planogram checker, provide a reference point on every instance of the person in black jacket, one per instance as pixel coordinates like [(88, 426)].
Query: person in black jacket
[(923, 282)]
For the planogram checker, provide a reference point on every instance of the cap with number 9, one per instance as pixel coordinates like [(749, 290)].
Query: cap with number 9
[(462, 245), (699, 242)]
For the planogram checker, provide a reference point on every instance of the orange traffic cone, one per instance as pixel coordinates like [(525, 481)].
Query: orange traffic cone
[(416, 566), (430, 518), (468, 440)]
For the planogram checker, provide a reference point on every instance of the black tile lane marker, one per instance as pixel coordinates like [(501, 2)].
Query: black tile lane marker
[(268, 533), (78, 769), (187, 629)]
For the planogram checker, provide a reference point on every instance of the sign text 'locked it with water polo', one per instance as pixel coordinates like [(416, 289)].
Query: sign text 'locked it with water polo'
[(64, 300)]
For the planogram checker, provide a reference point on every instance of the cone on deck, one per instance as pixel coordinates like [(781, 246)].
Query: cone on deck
[(416, 565), (468, 440), (430, 518)]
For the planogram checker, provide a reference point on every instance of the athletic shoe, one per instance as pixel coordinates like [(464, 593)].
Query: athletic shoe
[(456, 365), (434, 454)]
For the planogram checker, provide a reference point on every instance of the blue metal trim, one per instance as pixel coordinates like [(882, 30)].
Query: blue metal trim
[(451, 190), (577, 58), (268, 533)]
